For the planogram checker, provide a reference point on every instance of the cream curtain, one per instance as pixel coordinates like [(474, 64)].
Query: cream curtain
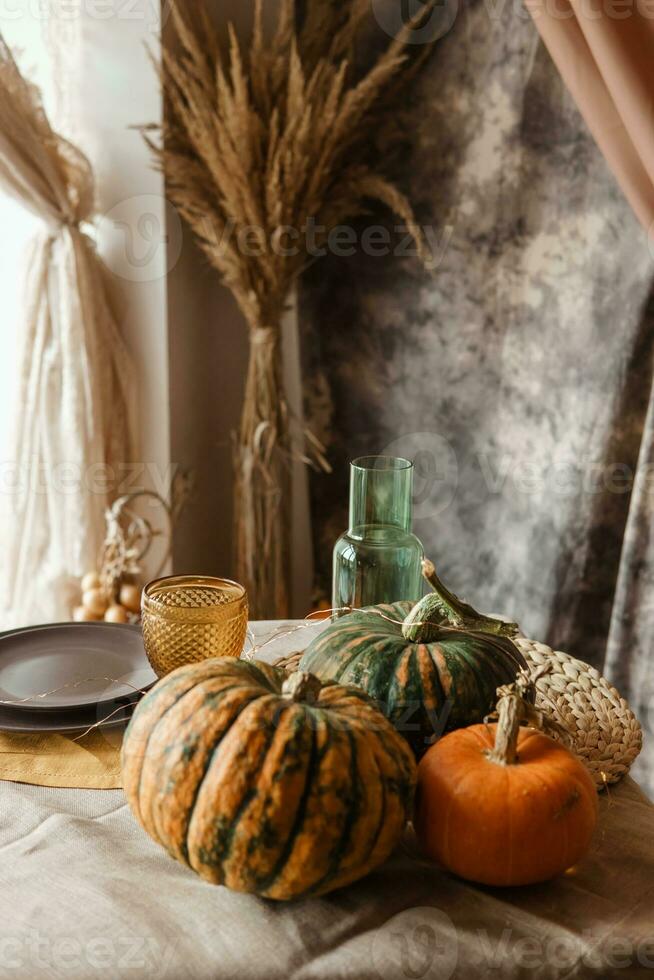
[(605, 54), (74, 424)]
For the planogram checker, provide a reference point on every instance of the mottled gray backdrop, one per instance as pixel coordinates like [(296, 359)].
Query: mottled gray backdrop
[(519, 372)]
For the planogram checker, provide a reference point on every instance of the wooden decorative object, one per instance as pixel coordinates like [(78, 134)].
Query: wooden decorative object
[(112, 592)]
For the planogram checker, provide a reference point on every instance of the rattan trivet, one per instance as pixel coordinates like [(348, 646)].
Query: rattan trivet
[(605, 732)]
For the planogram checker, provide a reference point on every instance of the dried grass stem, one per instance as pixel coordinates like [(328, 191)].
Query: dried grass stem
[(269, 140)]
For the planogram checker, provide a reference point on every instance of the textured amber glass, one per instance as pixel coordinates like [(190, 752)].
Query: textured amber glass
[(189, 618)]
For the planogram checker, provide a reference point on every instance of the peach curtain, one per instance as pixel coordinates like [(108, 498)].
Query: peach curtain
[(604, 50)]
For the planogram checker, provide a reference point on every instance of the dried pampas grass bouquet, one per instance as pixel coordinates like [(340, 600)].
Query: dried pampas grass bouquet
[(253, 144)]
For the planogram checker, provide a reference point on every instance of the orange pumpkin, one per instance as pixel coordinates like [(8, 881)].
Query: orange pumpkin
[(505, 805)]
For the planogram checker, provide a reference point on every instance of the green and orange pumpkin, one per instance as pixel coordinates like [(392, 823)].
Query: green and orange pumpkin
[(432, 667), (271, 785)]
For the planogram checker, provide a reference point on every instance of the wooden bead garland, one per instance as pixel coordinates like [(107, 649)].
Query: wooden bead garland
[(112, 591)]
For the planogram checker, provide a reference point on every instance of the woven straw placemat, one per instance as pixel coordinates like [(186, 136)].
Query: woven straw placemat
[(604, 731)]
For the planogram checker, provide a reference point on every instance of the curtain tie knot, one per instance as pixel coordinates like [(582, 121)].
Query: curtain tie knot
[(81, 225), (262, 336)]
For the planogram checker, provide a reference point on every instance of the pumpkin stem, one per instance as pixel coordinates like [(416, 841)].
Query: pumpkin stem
[(510, 717), (301, 686), (455, 612), (441, 608), (514, 708)]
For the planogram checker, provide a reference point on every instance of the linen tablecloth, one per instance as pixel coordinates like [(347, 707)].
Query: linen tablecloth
[(84, 893)]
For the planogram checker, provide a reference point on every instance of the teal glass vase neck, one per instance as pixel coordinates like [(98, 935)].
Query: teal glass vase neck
[(381, 492), (378, 559)]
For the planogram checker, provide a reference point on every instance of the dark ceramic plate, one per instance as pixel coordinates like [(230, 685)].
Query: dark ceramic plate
[(84, 665), (73, 721)]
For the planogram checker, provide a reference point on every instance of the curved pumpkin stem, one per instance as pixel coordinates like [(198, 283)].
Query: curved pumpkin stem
[(455, 612), (514, 709), (441, 611)]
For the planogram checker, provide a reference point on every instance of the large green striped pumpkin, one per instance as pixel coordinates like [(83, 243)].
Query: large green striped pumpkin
[(427, 681), (270, 785)]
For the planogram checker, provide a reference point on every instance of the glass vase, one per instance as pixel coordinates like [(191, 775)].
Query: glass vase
[(378, 559)]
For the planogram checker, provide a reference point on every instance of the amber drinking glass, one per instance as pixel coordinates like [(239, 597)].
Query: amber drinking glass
[(189, 618)]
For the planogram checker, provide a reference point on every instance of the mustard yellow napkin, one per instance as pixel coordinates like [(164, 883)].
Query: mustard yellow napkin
[(92, 762)]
